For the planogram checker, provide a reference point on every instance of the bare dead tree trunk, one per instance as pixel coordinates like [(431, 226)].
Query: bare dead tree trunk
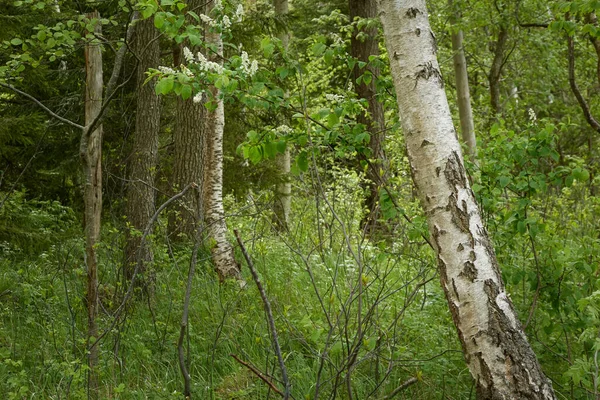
[(283, 191), (144, 154), (467, 127), (214, 212), (91, 157), (495, 347), (364, 44), (496, 70), (188, 137)]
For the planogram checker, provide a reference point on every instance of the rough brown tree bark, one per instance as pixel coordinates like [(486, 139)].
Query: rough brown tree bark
[(364, 44), (496, 70), (214, 212), (188, 138), (495, 347), (283, 191), (90, 152), (144, 154), (467, 127)]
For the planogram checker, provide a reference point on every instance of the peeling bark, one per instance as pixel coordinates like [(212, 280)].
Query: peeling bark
[(90, 151), (214, 213), (283, 191), (144, 154), (495, 347), (363, 46)]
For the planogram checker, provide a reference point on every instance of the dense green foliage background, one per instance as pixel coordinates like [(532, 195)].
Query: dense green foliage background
[(352, 311)]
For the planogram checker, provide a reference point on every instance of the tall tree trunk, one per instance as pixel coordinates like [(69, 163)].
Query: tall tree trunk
[(467, 127), (91, 157), (283, 191), (214, 213), (496, 70), (364, 46), (144, 154), (188, 137), (494, 344)]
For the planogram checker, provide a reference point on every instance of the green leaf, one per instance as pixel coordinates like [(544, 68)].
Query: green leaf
[(328, 56), (504, 181), (318, 49), (267, 47), (302, 161), (159, 20), (332, 120), (186, 92), (16, 41), (164, 86)]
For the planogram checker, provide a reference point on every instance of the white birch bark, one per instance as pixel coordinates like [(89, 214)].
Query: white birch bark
[(283, 191), (495, 347), (221, 250)]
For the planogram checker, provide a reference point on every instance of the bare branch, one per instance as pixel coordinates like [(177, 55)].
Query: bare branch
[(263, 295), (259, 374), (43, 107), (400, 388), (575, 89)]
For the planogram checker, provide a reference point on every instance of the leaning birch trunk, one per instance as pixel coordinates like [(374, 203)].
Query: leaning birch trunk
[(90, 152), (495, 347), (214, 213), (283, 191), (467, 127), (144, 154)]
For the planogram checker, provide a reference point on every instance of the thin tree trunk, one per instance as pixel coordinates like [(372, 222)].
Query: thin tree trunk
[(144, 155), (188, 137), (363, 46), (496, 70), (214, 213), (467, 127), (495, 347), (283, 191), (91, 157)]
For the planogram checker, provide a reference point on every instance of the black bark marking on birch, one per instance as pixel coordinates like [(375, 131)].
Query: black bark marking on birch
[(455, 173), (460, 218), (469, 272), (434, 45), (413, 12), (460, 247), (473, 256), (438, 170), (418, 32), (426, 143), (455, 290), (427, 71), (486, 377)]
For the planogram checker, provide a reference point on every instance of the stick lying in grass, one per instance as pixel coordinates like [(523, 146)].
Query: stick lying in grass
[(263, 295)]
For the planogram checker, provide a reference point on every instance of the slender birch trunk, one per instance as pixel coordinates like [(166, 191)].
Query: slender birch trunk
[(91, 157), (214, 213), (144, 154), (495, 347), (467, 127), (363, 46), (283, 191)]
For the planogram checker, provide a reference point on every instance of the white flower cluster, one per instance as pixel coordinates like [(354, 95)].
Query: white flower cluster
[(335, 98), (532, 116), (239, 13), (249, 68), (218, 4), (200, 60), (207, 20), (198, 97), (167, 70), (283, 130), (188, 55), (208, 66), (225, 22)]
